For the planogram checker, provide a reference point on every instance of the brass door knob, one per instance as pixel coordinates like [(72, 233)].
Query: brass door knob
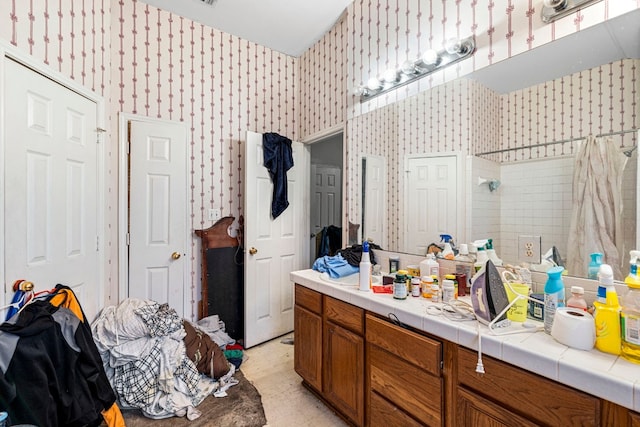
[(176, 255), (253, 251)]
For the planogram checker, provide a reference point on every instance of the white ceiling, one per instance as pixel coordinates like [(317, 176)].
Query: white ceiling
[(287, 26)]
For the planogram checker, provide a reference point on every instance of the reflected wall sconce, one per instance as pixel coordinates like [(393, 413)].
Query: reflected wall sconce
[(492, 183), (454, 50), (556, 9)]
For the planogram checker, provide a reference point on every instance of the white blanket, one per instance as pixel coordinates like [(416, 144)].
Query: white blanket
[(141, 346)]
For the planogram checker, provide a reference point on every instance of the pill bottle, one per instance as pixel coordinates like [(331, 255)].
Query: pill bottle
[(415, 286), (400, 287), (452, 277), (435, 293), (448, 290), (427, 281)]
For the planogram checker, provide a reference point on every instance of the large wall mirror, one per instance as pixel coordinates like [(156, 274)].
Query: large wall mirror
[(504, 140)]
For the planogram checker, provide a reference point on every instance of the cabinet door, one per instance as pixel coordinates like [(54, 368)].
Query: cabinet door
[(307, 353), (344, 371), (475, 411)]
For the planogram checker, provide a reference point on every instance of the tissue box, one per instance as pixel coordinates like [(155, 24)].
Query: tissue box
[(536, 308)]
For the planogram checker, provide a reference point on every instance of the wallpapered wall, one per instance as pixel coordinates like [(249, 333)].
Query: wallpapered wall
[(150, 62)]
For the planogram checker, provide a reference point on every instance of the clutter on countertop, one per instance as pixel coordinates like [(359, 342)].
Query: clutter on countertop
[(335, 266)]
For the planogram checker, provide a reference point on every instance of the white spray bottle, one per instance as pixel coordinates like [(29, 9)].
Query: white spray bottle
[(365, 268)]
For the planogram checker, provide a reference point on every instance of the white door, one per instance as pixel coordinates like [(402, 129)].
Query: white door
[(375, 202), (273, 248), (326, 200), (431, 201), (51, 182), (157, 206)]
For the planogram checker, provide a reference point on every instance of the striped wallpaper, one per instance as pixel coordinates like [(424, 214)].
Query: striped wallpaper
[(150, 62)]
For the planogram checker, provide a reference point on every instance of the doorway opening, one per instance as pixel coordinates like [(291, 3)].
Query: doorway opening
[(326, 234)]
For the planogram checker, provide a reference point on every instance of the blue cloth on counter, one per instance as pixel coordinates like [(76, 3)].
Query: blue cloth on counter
[(335, 266)]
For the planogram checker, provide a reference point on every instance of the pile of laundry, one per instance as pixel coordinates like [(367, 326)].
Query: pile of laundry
[(158, 362)]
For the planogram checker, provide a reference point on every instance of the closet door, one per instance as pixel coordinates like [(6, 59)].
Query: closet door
[(50, 173)]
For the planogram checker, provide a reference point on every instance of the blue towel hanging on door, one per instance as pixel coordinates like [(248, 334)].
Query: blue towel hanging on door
[(278, 159)]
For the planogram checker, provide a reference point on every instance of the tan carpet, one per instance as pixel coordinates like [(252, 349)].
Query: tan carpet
[(242, 408)]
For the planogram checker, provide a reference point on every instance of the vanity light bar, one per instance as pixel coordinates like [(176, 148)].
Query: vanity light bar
[(431, 61), (553, 10)]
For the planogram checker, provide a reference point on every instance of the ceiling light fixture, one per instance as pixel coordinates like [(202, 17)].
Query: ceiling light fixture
[(429, 62), (555, 9)]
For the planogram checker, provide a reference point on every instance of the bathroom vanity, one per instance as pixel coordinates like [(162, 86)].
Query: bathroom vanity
[(380, 361)]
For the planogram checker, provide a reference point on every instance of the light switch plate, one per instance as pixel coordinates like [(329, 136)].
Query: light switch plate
[(214, 214), (529, 248)]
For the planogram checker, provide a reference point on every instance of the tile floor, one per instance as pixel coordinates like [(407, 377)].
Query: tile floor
[(269, 366)]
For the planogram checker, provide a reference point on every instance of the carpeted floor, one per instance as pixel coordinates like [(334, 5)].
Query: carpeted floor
[(241, 408)]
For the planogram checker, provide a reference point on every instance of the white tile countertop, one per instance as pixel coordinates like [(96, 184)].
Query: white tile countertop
[(599, 374)]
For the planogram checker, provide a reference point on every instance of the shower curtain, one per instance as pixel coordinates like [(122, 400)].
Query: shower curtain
[(596, 220)]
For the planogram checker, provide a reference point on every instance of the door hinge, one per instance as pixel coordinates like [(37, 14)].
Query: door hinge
[(97, 243), (128, 239), (99, 131)]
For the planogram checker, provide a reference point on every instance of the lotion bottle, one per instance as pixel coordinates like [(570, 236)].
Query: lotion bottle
[(365, 268), (607, 315)]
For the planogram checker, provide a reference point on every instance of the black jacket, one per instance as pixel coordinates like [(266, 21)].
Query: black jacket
[(51, 373)]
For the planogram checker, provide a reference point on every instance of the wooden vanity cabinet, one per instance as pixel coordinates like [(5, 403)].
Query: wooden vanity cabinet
[(404, 380), (343, 379), (307, 355), (509, 396), (329, 351)]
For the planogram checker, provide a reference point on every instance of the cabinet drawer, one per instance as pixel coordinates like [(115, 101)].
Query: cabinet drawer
[(426, 353), (384, 414), (527, 394), (309, 299), (344, 314), (406, 386)]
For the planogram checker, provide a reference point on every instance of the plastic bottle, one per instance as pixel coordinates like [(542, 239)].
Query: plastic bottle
[(607, 315), (415, 286), (577, 299), (481, 260), (630, 312), (553, 296), (365, 268), (594, 265), (429, 266), (464, 265), (447, 252), (448, 290), (400, 287), (427, 282), (491, 253)]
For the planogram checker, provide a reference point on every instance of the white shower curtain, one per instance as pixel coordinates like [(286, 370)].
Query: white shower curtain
[(596, 220)]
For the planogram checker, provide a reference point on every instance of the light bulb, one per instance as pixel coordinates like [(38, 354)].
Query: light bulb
[(555, 4), (390, 76), (430, 57), (373, 83), (453, 46), (408, 67)]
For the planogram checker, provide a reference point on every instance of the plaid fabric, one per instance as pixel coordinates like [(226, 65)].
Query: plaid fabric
[(160, 319), (136, 382)]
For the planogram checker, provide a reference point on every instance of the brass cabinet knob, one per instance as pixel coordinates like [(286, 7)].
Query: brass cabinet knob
[(253, 251), (176, 255)]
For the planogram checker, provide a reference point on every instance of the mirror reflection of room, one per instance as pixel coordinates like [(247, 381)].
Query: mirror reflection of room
[(515, 142)]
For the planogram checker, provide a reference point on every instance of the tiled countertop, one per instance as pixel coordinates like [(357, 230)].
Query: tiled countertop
[(599, 374)]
